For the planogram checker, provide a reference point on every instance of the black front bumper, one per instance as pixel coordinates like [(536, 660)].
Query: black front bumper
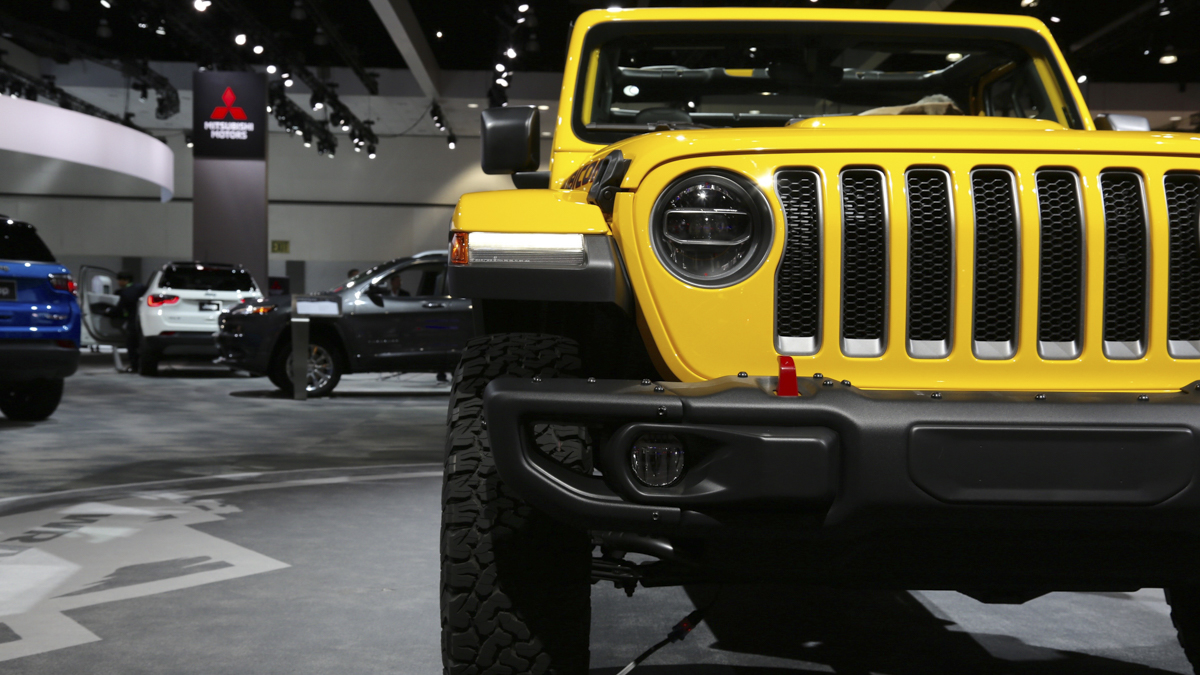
[(23, 360), (889, 475), (248, 342)]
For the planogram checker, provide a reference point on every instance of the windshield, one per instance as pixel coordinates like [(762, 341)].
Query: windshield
[(201, 278), (639, 76), (19, 241), (362, 277)]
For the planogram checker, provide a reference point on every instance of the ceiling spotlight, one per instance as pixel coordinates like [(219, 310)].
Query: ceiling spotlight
[(1029, 3), (318, 105), (240, 39), (258, 49), (499, 67), (201, 5), (105, 4), (268, 108), (1055, 19), (103, 31), (439, 35), (1168, 58), (61, 5), (1176, 118), (472, 105), (288, 82), (161, 30), (357, 149), (511, 53), (452, 141), (299, 132), (271, 70), (954, 57), (543, 107), (298, 13), (371, 151), (345, 127), (307, 144), (187, 139), (521, 20), (522, 8), (1082, 79), (501, 81)]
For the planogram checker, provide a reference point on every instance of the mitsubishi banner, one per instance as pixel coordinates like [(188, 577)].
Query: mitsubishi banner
[(229, 115)]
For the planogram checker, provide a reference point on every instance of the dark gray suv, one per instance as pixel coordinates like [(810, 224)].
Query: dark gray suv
[(396, 317)]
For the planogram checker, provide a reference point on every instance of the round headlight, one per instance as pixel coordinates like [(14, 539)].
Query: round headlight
[(711, 229)]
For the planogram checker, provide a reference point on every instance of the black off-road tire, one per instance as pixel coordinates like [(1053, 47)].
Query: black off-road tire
[(516, 584), (1185, 614), (31, 401)]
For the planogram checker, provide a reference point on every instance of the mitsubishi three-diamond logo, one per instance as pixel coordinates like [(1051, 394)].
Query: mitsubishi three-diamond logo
[(219, 128), (228, 109)]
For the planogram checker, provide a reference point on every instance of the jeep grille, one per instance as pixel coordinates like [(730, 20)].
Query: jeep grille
[(996, 205)]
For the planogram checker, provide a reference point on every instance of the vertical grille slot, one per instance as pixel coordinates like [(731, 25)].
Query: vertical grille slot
[(930, 263), (993, 192), (864, 262), (1061, 265), (1125, 264), (1183, 298), (798, 281)]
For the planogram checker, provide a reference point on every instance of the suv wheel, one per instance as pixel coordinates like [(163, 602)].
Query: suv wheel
[(31, 401), (516, 584), (324, 368)]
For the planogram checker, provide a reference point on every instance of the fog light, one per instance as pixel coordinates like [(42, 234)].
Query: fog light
[(657, 460)]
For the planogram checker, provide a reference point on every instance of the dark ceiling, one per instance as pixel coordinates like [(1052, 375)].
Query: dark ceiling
[(474, 31)]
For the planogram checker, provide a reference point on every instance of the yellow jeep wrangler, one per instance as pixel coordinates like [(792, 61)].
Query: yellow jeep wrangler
[(848, 298)]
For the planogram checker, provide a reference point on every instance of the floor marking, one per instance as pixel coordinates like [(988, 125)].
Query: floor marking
[(130, 487), (60, 559), (65, 557)]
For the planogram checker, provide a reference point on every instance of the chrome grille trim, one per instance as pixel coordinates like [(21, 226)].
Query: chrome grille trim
[(931, 253), (865, 231), (1126, 248), (798, 319), (1001, 232), (1062, 241), (1183, 297)]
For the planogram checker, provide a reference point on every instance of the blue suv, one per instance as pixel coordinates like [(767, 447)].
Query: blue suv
[(39, 324)]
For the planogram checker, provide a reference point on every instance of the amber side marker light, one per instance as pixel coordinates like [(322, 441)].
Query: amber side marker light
[(458, 249)]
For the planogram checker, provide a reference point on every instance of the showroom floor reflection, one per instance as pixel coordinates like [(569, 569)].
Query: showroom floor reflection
[(196, 523)]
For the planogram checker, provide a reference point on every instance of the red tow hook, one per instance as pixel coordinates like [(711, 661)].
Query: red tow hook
[(788, 386)]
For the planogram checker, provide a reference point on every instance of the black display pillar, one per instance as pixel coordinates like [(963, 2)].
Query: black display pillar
[(229, 198)]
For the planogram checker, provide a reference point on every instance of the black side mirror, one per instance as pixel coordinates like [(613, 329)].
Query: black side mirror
[(511, 139)]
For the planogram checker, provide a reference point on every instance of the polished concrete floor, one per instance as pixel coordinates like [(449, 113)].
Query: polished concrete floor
[(197, 523)]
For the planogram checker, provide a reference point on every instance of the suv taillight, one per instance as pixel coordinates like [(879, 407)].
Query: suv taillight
[(62, 282), (159, 299)]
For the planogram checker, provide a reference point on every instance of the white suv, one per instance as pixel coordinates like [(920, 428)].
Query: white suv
[(178, 314)]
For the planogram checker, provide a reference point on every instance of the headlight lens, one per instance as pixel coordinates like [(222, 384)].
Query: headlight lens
[(711, 229)]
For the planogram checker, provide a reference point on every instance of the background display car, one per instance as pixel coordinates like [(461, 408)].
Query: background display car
[(396, 317), (39, 324), (178, 314), (991, 299)]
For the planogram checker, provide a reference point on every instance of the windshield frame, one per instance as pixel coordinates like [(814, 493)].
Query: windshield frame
[(1032, 42)]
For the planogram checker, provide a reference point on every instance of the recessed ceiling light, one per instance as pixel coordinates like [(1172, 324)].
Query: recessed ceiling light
[(472, 105), (1176, 118), (543, 107), (240, 39), (954, 57)]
